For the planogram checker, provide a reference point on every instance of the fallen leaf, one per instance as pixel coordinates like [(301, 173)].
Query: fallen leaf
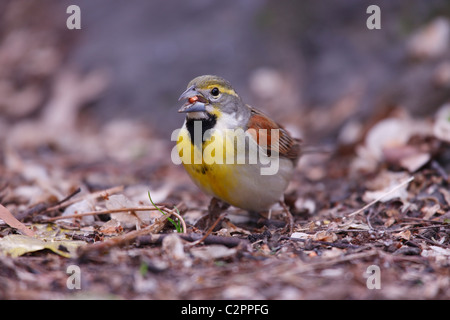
[(387, 141), (436, 251), (441, 127), (172, 245), (300, 235), (126, 218), (352, 224), (16, 245), (430, 211), (389, 222), (325, 236), (406, 235), (414, 162), (212, 252), (80, 207), (385, 185), (332, 253), (9, 219), (112, 226)]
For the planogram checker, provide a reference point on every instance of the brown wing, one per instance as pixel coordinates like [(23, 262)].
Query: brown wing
[(288, 147)]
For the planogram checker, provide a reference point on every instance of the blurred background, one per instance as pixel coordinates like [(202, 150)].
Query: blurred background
[(83, 111), (313, 65)]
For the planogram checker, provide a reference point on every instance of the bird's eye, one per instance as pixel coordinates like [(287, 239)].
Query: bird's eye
[(215, 91)]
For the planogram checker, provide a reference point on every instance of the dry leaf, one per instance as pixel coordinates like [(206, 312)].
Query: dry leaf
[(212, 252), (126, 218), (111, 227), (16, 245), (389, 222), (300, 235), (415, 162), (442, 254), (80, 207), (325, 236), (441, 127), (406, 235), (173, 247), (333, 253), (388, 141), (384, 185), (9, 219), (430, 211)]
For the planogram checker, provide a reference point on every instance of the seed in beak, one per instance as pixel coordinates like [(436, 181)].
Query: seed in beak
[(193, 99)]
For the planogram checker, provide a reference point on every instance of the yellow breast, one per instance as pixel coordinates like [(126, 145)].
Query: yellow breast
[(239, 184), (206, 164)]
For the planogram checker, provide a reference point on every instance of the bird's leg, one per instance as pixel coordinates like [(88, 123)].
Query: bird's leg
[(215, 209)]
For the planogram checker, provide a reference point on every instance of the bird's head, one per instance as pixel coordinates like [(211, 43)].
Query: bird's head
[(208, 96)]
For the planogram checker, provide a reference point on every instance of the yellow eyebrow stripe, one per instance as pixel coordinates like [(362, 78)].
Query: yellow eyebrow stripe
[(222, 89)]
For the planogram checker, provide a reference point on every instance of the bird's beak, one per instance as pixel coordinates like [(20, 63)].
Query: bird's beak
[(195, 101)]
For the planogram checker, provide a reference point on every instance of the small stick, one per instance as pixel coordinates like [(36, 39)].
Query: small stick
[(100, 212), (41, 207), (154, 228), (98, 194), (420, 220), (433, 242), (229, 242), (69, 196), (93, 213)]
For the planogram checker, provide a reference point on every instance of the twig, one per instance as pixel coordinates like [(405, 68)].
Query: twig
[(420, 220), (100, 212), (41, 207), (99, 194), (94, 213), (69, 196), (156, 227), (382, 196), (31, 211), (229, 242), (408, 227), (433, 242)]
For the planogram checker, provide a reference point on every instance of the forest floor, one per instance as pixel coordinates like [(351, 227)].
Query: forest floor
[(362, 228)]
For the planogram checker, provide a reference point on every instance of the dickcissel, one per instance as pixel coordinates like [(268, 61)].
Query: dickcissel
[(234, 152)]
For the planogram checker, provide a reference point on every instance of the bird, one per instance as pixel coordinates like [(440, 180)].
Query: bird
[(233, 152)]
